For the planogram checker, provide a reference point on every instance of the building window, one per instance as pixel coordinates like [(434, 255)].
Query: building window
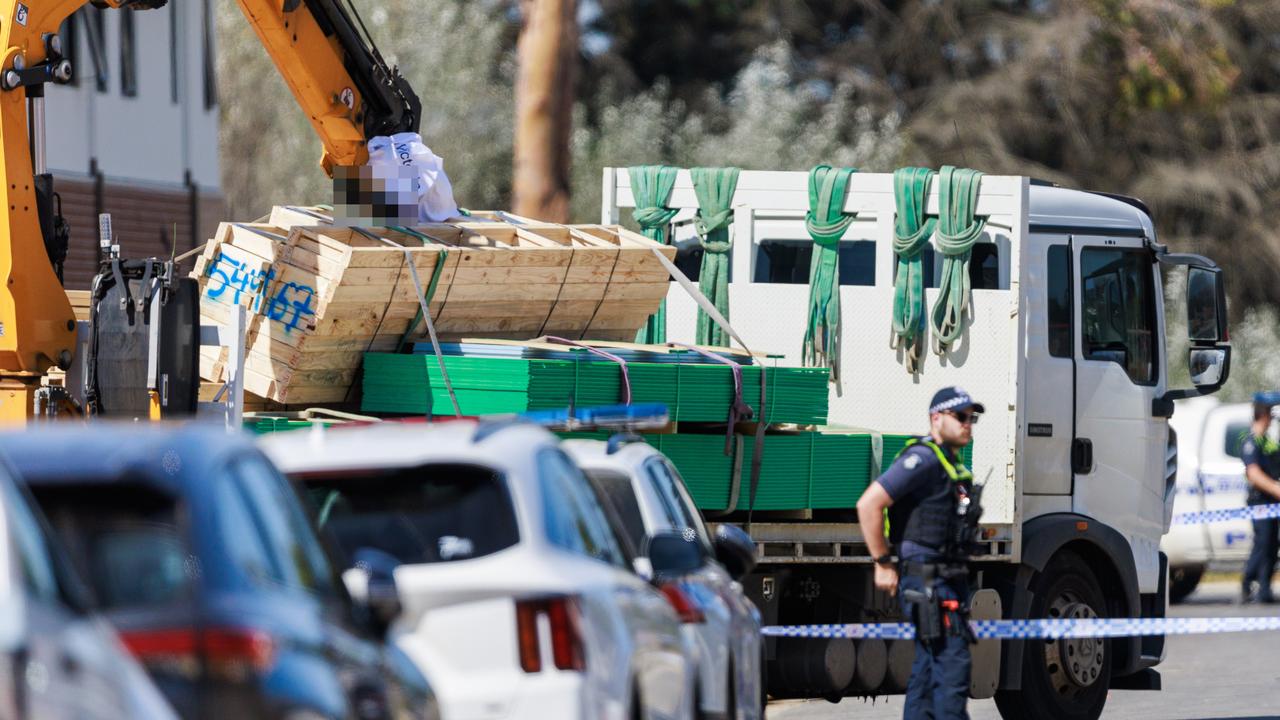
[(1060, 305), (210, 71), (1117, 308), (97, 37), (128, 56), (788, 262), (174, 57)]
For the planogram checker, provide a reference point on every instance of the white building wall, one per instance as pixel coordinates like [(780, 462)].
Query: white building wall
[(148, 138)]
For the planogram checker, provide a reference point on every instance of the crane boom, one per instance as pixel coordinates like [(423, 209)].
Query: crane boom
[(334, 71)]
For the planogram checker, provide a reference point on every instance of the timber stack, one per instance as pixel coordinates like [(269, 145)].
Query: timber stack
[(319, 297)]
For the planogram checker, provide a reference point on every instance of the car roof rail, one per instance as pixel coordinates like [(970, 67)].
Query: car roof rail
[(618, 440)]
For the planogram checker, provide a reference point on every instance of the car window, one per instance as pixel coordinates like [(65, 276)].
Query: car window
[(670, 491), (127, 539), (241, 534), (574, 520), (1233, 441), (293, 546), (32, 547), (428, 514), (617, 490)]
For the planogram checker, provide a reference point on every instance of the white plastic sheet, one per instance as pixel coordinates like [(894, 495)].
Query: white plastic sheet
[(407, 152)]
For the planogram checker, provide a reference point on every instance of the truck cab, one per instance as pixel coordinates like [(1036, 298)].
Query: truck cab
[(1064, 343)]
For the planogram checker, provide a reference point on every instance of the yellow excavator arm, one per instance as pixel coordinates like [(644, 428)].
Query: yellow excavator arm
[(332, 67)]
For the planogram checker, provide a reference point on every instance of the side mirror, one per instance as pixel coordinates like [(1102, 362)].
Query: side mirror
[(670, 554), (735, 550), (1206, 306), (372, 585), (1209, 366)]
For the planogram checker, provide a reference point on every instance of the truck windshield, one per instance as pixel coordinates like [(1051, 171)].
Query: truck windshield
[(427, 514)]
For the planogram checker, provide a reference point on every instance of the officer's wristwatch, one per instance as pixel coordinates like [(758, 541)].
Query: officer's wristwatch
[(885, 559)]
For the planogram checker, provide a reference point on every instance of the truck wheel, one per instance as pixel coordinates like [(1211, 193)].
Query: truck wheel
[(1065, 679), (1183, 581)]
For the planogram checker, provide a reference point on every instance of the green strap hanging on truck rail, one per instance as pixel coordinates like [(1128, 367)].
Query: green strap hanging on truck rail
[(826, 222), (714, 188), (405, 339), (958, 229), (651, 185), (912, 229)]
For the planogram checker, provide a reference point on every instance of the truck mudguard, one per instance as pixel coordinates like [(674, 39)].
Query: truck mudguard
[(1044, 536)]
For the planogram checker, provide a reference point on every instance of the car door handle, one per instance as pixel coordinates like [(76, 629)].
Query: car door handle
[(1082, 456)]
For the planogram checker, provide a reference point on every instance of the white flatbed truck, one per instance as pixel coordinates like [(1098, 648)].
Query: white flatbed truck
[(1066, 348)]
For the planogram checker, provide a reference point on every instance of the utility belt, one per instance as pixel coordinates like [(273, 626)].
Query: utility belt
[(933, 616)]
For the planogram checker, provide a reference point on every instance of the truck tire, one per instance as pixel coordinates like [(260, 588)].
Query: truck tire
[(1183, 581), (1065, 679)]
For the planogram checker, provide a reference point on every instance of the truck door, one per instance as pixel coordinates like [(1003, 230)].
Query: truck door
[(1118, 453), (1050, 379)]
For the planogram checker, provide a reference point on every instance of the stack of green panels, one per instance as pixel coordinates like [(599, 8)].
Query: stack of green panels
[(798, 472), (412, 384), (264, 425)]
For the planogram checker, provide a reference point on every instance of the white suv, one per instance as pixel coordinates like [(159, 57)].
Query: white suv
[(650, 499), (518, 601), (1210, 477)]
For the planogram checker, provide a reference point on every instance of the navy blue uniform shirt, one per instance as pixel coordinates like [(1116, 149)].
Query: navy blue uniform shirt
[(1254, 453), (915, 475)]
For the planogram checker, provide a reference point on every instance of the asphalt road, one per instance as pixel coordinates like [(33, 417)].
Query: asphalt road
[(1206, 677)]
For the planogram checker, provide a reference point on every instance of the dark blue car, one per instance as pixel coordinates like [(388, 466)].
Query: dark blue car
[(201, 555)]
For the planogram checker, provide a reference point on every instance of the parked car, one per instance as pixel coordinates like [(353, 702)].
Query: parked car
[(1210, 477), (202, 557), (650, 499), (518, 600), (58, 658)]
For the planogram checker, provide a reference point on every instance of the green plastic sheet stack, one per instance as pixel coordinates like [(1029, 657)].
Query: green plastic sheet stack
[(412, 384), (802, 471), (810, 470)]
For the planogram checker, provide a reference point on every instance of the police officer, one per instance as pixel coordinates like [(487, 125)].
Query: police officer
[(928, 499), (1261, 456)]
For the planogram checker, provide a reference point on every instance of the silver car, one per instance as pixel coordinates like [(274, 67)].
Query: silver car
[(722, 633)]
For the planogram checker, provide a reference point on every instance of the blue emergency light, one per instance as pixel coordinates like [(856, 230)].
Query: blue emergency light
[(606, 417)]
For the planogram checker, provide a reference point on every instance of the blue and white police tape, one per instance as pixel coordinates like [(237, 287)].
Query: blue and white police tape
[(1252, 512), (1039, 629)]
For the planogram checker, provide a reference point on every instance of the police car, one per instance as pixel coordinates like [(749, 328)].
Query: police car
[(1210, 477)]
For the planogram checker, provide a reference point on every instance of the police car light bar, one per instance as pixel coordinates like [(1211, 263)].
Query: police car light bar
[(607, 417)]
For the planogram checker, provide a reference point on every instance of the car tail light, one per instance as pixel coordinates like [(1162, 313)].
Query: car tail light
[(684, 605), (228, 653), (566, 636)]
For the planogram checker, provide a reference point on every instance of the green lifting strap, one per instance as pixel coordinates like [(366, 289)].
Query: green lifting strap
[(651, 185), (714, 188), (912, 229), (826, 222), (958, 229), (431, 285)]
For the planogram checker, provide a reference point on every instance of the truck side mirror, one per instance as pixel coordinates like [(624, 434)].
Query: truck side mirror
[(1206, 306), (1209, 366)]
